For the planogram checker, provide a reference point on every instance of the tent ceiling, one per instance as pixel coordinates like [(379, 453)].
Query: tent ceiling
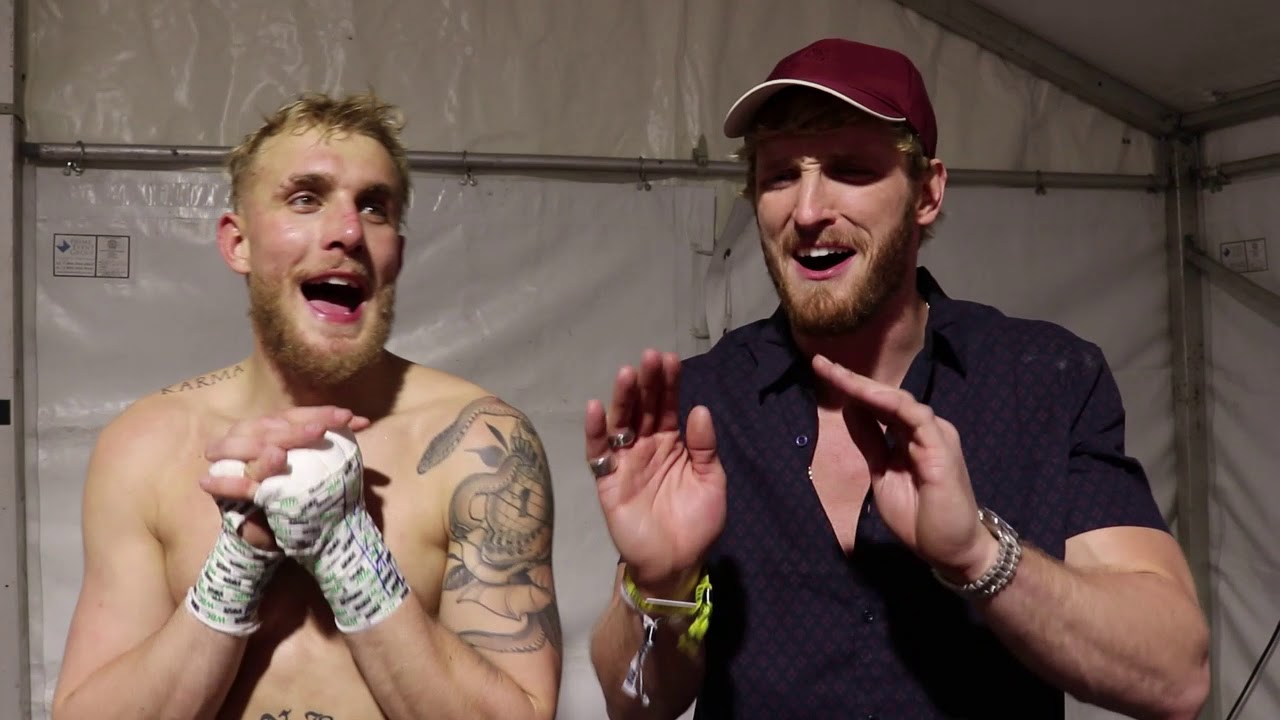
[(1187, 54)]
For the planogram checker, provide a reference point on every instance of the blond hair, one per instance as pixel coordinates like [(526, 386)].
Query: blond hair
[(362, 114), (805, 110)]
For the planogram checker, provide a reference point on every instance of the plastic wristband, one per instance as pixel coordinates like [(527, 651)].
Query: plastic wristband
[(699, 610)]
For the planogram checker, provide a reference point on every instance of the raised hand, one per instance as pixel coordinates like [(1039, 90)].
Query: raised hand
[(663, 496), (921, 487), (254, 450)]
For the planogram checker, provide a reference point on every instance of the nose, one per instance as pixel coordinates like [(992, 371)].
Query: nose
[(346, 231), (813, 210)]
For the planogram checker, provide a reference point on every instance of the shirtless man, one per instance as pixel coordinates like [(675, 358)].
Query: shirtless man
[(190, 609)]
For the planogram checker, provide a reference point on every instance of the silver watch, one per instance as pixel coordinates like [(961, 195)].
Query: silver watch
[(1001, 573)]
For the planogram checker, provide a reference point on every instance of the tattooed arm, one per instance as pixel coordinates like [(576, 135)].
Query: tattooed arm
[(495, 650)]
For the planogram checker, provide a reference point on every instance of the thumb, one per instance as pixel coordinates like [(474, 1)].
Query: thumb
[(700, 438)]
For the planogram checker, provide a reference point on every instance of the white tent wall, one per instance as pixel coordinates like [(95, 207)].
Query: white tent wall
[(580, 77), (1242, 356)]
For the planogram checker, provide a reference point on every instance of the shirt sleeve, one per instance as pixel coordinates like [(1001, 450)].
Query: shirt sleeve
[(1108, 487)]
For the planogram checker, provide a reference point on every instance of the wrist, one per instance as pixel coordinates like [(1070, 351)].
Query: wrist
[(672, 586), (356, 572), (998, 573), (226, 594), (975, 563)]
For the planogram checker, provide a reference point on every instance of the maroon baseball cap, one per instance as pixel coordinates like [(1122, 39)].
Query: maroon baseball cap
[(876, 80)]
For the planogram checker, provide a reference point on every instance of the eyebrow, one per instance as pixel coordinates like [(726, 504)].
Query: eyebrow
[(323, 182), (314, 181)]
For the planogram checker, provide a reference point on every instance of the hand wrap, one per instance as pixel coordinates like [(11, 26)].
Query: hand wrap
[(229, 589), (319, 519)]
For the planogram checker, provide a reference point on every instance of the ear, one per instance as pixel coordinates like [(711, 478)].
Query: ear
[(232, 243), (932, 188)]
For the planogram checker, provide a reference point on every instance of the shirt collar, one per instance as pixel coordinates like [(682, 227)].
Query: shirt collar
[(777, 357)]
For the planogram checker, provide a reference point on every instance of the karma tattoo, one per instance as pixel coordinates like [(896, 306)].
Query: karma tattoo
[(204, 381), (501, 522)]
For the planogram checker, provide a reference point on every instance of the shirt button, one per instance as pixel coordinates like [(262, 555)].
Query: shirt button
[(866, 509), (868, 616), (872, 717), (802, 440)]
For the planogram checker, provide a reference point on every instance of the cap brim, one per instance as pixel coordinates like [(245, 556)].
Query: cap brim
[(738, 119)]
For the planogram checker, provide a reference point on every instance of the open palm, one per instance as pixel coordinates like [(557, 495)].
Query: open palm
[(664, 503)]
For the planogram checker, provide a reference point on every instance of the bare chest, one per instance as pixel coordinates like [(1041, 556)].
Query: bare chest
[(298, 663), (840, 476)]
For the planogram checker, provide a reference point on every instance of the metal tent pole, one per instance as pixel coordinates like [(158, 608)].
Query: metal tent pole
[(81, 155), (1186, 328)]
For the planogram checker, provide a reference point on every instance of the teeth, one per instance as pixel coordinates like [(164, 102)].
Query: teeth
[(823, 252), (338, 281)]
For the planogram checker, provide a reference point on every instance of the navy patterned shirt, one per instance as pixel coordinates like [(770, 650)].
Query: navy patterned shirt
[(800, 629)]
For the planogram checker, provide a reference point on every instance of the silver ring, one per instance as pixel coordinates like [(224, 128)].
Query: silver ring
[(602, 465), (624, 438)]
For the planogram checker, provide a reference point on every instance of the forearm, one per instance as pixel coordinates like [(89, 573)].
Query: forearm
[(1131, 642), (672, 677), (416, 667), (183, 670)]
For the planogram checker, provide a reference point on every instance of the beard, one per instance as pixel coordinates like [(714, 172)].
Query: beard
[(825, 312), (285, 345)]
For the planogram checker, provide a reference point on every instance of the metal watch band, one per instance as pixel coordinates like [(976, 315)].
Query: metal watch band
[(999, 574)]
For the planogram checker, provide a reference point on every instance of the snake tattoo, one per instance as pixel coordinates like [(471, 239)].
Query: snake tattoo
[(501, 521)]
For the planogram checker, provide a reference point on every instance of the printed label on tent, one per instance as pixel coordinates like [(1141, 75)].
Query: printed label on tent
[(113, 256), (1255, 251), (101, 256), (1233, 255)]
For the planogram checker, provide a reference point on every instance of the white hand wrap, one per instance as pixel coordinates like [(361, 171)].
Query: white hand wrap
[(318, 516), (226, 594)]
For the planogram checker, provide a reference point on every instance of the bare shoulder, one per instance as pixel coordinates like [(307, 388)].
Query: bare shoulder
[(487, 459), (461, 423), (160, 428), (132, 439)]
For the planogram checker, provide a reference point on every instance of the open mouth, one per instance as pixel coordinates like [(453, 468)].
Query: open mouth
[(818, 259), (337, 297)]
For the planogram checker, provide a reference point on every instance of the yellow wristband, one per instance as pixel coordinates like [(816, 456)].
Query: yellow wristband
[(699, 610)]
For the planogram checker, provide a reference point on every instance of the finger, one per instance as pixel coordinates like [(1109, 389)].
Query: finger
[(275, 432), (597, 438), (889, 405), (700, 439), (358, 423), (234, 447), (669, 412), (230, 487), (330, 416), (262, 459), (270, 462), (626, 397), (651, 392)]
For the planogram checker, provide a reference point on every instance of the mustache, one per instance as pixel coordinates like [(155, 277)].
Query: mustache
[(790, 241)]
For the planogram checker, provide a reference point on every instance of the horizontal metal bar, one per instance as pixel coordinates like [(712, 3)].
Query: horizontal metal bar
[(1032, 179), (1252, 295), (1046, 60), (1242, 168), (1241, 109), (651, 168)]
